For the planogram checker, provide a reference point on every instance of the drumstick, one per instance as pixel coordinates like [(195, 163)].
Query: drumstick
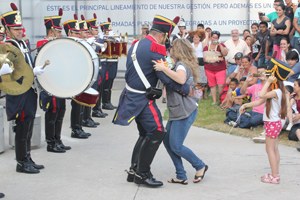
[(47, 62)]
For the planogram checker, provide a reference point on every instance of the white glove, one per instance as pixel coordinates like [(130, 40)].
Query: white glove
[(91, 40), (5, 69), (111, 33), (38, 70), (100, 34)]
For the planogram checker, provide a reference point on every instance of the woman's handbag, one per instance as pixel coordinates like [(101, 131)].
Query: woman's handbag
[(212, 56)]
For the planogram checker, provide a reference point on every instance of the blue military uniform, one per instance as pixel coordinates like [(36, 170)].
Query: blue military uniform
[(135, 105), (111, 68), (21, 108), (54, 107)]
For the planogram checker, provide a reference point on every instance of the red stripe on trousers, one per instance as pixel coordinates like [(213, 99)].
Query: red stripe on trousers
[(155, 115), (22, 116), (54, 104), (106, 76)]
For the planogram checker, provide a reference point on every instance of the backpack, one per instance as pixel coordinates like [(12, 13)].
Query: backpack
[(223, 94)]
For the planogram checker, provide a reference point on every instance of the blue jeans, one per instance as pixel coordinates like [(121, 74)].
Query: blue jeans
[(230, 69), (263, 60), (246, 122), (173, 141)]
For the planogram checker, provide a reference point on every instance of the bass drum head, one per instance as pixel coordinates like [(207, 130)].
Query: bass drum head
[(71, 68)]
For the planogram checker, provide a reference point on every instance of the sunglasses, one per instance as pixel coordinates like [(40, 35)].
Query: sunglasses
[(216, 32)]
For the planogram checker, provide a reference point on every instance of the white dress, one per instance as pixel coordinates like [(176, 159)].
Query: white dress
[(202, 79)]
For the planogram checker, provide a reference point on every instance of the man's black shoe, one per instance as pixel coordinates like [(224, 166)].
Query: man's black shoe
[(26, 167), (62, 146), (77, 133), (2, 195), (88, 123), (107, 106), (97, 113), (147, 179)]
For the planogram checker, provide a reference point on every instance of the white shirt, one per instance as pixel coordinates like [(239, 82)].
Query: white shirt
[(232, 49), (198, 49), (275, 108)]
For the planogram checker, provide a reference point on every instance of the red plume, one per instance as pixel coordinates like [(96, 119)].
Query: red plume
[(176, 19), (109, 20), (60, 12), (95, 16), (75, 17), (82, 17), (13, 6)]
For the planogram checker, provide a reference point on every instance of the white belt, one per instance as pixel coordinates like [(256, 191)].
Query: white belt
[(103, 60), (133, 90), (112, 60)]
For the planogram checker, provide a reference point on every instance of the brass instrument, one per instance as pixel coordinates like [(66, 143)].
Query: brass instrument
[(14, 57), (102, 46)]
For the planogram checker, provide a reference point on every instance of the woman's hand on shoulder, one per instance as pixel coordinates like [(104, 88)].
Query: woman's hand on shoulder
[(159, 66)]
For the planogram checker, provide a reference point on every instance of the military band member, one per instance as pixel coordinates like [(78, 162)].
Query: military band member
[(21, 108), (111, 68), (94, 33), (72, 29), (54, 107), (145, 32), (182, 31), (2, 33), (87, 120), (136, 104)]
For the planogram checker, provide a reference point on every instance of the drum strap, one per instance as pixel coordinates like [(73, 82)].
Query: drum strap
[(138, 68)]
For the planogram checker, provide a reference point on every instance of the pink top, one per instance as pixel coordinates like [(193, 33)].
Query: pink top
[(254, 90)]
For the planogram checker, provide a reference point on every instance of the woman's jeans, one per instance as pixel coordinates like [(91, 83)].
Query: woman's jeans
[(173, 141)]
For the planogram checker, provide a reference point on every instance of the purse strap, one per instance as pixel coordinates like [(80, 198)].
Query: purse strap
[(138, 68)]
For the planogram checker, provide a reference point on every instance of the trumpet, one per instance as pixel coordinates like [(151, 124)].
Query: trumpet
[(102, 46), (124, 37)]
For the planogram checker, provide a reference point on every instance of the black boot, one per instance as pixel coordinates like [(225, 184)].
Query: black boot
[(134, 159), (28, 156), (76, 120), (86, 121), (54, 147), (50, 122), (62, 146), (109, 94), (22, 131), (26, 167), (97, 111), (148, 151), (105, 96), (58, 128), (2, 195)]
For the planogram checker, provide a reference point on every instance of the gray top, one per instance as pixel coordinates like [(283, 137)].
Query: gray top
[(296, 70), (181, 107)]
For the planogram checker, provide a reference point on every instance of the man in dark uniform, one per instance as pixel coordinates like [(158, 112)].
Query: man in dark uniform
[(72, 29), (135, 104), (94, 32), (21, 108), (54, 107), (87, 120), (182, 31), (111, 68)]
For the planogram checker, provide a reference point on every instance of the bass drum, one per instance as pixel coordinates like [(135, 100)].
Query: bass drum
[(73, 68)]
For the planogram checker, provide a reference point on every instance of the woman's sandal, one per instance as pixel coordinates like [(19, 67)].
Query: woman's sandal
[(183, 182), (268, 178), (197, 179)]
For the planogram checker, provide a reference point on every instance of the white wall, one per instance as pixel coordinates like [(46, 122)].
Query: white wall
[(221, 15)]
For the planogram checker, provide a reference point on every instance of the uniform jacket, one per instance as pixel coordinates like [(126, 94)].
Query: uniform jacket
[(131, 103)]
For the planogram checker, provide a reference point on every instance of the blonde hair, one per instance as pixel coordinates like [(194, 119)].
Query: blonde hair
[(183, 51)]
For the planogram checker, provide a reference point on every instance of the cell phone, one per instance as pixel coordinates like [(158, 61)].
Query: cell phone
[(256, 75), (262, 14)]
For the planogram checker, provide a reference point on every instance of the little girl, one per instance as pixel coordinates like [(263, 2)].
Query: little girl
[(275, 110)]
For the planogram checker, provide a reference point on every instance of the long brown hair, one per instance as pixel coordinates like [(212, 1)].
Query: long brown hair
[(183, 51), (283, 110)]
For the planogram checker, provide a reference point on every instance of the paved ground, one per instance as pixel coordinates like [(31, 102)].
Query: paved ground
[(94, 168)]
